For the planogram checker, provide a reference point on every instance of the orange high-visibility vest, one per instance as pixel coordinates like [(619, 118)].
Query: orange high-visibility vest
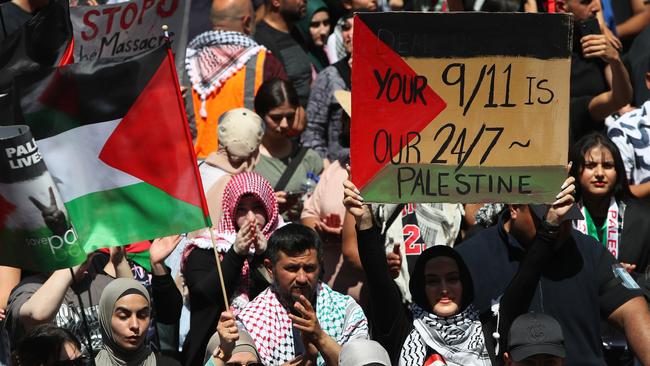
[(238, 91)]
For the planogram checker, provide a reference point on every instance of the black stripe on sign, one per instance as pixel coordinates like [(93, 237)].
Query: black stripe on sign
[(473, 34), (80, 94)]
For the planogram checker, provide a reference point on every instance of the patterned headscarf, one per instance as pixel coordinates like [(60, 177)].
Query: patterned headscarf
[(248, 183), (245, 183)]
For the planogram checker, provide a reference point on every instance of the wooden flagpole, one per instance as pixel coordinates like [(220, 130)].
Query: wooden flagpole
[(179, 98)]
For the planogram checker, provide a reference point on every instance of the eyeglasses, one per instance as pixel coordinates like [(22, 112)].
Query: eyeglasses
[(325, 23), (79, 361)]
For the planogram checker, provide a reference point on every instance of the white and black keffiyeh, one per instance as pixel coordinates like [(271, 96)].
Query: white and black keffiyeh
[(214, 56), (458, 339)]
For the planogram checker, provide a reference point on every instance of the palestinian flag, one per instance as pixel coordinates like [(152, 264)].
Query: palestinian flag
[(115, 139)]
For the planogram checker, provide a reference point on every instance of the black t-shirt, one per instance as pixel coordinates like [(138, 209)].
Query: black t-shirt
[(13, 17), (578, 287), (294, 58), (69, 314)]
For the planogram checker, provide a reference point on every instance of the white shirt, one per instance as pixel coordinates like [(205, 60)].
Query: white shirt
[(631, 134)]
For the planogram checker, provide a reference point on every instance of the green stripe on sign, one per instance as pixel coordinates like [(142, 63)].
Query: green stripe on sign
[(470, 184), (129, 214), (39, 250)]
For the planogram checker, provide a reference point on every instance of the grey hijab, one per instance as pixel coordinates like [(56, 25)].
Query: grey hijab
[(244, 344), (361, 352), (111, 354)]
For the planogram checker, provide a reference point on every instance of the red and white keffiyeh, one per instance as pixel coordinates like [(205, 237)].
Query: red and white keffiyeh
[(245, 183), (248, 183)]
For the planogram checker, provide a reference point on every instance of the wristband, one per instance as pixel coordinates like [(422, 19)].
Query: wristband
[(549, 228)]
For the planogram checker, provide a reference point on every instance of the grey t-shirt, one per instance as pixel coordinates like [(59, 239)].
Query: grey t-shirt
[(68, 316)]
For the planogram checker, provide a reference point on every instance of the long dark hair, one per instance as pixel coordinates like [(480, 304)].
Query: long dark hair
[(621, 191), (417, 283), (43, 345), (274, 93)]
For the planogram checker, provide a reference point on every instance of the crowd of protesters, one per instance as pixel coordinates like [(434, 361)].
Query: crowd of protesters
[(298, 270)]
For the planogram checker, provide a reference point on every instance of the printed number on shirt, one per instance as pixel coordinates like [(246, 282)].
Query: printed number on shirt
[(411, 236)]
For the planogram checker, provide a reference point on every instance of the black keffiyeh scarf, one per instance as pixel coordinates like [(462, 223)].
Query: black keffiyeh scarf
[(458, 339)]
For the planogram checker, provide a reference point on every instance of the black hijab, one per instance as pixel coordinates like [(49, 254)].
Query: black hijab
[(417, 283)]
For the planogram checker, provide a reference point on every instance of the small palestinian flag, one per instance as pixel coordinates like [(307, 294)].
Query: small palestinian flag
[(115, 139)]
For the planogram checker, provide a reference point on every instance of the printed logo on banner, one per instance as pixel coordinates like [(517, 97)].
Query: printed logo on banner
[(35, 232)]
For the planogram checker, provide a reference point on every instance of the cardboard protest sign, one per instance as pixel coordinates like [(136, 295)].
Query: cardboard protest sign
[(35, 232), (460, 107), (127, 29)]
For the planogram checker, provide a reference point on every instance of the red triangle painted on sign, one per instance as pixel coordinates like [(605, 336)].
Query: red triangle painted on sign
[(150, 141), (374, 111)]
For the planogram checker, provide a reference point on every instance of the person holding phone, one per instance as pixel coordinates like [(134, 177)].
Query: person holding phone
[(249, 217), (298, 318), (283, 161), (600, 84)]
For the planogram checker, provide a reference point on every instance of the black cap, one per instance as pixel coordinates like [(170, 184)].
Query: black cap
[(540, 211), (535, 334)]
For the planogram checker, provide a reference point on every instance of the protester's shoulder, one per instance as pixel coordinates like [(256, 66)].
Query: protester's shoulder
[(631, 119), (588, 246), (335, 173), (101, 280), (162, 360), (483, 241), (314, 160), (261, 301), (26, 287), (351, 307), (329, 73), (266, 35), (637, 210)]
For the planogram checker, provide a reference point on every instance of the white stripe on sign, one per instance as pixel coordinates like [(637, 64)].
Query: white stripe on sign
[(72, 157)]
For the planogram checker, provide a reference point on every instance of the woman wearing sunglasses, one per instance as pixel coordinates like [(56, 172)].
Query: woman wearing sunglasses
[(278, 105)]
